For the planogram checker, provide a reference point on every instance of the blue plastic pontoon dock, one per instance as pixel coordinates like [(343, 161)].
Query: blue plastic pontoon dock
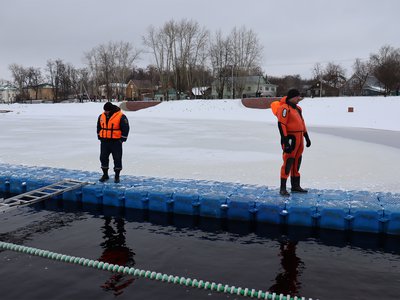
[(332, 209)]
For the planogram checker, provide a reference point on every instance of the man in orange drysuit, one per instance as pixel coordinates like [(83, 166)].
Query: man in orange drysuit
[(292, 130)]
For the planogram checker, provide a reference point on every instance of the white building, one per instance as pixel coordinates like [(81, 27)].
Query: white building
[(244, 87), (8, 93)]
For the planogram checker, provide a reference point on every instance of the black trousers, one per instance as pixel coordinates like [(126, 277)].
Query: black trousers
[(113, 147)]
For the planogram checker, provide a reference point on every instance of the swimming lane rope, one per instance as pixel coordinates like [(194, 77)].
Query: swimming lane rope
[(195, 283)]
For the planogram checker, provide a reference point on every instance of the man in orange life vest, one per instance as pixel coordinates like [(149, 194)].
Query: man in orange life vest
[(292, 130), (112, 131)]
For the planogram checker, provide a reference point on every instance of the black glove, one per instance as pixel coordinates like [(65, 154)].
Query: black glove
[(287, 148), (123, 140), (308, 141)]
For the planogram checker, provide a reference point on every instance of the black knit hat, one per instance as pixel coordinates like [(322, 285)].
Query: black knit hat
[(108, 106), (292, 93)]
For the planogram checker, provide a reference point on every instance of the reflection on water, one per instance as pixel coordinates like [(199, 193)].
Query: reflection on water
[(287, 282), (116, 252)]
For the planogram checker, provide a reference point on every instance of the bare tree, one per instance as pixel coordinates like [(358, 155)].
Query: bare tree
[(158, 44), (78, 80), (84, 84), (64, 78), (20, 78), (334, 75), (111, 63), (178, 49), (126, 55), (246, 48), (196, 51), (234, 57), (34, 77), (386, 67), (94, 72), (246, 55), (100, 60), (25, 79), (317, 71), (172, 33), (58, 78), (361, 72), (220, 53)]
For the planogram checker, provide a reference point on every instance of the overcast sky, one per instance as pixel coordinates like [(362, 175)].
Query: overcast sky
[(295, 34)]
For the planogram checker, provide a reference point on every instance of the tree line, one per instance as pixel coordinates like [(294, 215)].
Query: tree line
[(187, 55)]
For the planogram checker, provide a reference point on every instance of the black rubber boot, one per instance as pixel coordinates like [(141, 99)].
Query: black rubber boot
[(105, 175), (296, 188), (116, 178), (283, 191)]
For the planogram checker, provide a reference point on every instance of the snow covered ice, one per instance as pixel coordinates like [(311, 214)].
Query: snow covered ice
[(217, 140)]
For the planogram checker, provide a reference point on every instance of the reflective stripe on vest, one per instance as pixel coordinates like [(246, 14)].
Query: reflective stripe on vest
[(112, 129)]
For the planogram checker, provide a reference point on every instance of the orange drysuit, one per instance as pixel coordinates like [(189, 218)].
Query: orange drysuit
[(292, 129)]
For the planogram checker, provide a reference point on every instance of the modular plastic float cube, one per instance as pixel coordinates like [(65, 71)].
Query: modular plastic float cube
[(18, 183), (36, 182), (334, 210), (390, 217), (213, 205), (5, 182), (241, 208), (137, 198), (161, 200), (186, 202), (113, 195), (92, 194), (271, 208), (367, 211), (74, 195), (303, 209), (393, 222)]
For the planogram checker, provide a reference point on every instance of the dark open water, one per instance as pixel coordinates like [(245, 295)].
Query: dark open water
[(305, 262)]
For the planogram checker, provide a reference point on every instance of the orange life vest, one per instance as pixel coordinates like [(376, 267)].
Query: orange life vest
[(110, 129)]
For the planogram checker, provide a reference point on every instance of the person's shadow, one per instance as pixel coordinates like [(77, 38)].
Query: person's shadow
[(116, 252), (287, 282)]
